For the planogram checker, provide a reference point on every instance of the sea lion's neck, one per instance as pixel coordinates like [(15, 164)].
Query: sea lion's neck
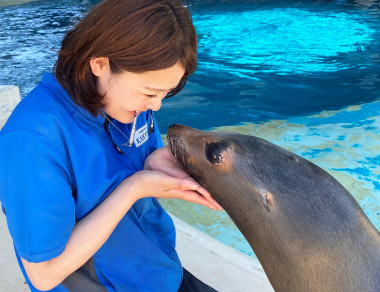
[(310, 260)]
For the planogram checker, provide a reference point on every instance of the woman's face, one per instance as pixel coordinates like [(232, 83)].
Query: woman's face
[(126, 92)]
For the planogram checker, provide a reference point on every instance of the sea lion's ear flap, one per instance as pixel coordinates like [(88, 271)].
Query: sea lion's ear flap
[(264, 196)]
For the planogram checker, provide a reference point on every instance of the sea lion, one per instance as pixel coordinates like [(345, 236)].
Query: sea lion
[(305, 228)]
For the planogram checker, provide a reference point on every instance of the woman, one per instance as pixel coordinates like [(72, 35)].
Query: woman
[(79, 194)]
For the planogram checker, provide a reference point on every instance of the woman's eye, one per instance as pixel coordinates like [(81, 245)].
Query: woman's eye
[(150, 95)]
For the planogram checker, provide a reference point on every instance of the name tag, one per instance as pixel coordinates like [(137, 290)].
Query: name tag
[(141, 135)]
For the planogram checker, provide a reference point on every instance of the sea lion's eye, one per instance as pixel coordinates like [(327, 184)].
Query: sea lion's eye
[(214, 151)]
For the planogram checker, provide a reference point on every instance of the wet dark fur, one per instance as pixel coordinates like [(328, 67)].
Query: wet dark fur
[(314, 237)]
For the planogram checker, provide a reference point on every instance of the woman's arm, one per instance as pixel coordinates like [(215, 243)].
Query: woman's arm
[(90, 233)]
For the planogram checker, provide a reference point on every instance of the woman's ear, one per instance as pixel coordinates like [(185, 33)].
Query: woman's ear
[(100, 67)]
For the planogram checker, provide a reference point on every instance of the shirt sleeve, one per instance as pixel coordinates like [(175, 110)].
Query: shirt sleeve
[(155, 140), (36, 194)]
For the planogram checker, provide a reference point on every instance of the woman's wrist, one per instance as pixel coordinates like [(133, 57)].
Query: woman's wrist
[(131, 186)]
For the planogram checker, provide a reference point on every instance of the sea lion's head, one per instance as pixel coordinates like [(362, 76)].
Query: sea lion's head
[(225, 161), (254, 177)]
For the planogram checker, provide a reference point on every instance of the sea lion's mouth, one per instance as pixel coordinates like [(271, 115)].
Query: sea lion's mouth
[(177, 140), (177, 146)]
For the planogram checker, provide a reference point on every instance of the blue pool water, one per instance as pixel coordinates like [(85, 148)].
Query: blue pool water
[(301, 74)]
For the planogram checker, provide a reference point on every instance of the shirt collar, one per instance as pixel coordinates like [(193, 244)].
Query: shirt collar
[(50, 81)]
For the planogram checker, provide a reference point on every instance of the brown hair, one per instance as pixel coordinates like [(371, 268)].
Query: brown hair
[(135, 35)]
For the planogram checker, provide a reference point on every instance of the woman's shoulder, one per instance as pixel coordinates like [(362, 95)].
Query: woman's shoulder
[(44, 107)]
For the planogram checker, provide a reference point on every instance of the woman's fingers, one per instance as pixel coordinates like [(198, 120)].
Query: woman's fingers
[(195, 186), (203, 192), (163, 160), (159, 184), (208, 197), (191, 196), (189, 190), (192, 185)]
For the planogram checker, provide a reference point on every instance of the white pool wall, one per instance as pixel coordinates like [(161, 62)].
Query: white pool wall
[(13, 2)]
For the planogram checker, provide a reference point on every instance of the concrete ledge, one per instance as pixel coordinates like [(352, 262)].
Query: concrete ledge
[(11, 278), (2, 122), (13, 2), (9, 98)]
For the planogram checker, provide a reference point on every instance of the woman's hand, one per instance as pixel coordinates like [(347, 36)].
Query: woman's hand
[(152, 183), (186, 188), (163, 160)]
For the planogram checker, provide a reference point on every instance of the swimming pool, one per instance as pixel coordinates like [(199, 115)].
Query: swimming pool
[(303, 75)]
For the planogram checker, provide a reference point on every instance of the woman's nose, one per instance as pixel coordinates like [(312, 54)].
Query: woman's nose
[(154, 104)]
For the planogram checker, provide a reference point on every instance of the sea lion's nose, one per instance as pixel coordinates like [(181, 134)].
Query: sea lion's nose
[(180, 130), (177, 127)]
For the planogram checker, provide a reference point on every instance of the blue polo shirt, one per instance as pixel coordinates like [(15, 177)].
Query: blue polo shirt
[(57, 164)]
